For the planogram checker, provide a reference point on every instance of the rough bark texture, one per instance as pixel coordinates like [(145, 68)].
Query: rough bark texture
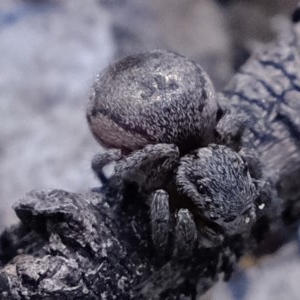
[(72, 246)]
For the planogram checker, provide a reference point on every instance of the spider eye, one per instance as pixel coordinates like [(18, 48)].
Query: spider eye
[(259, 203), (202, 189)]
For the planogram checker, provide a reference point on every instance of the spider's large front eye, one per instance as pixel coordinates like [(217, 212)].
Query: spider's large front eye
[(202, 189)]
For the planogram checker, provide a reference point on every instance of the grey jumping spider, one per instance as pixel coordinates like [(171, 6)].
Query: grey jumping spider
[(157, 113)]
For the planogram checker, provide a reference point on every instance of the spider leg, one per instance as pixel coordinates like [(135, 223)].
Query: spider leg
[(230, 128), (160, 220), (209, 238), (253, 162), (149, 168), (185, 234), (102, 159)]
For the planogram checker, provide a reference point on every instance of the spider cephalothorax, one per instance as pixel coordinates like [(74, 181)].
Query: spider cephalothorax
[(219, 186)]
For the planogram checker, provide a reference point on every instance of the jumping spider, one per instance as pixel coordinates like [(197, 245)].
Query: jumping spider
[(158, 114)]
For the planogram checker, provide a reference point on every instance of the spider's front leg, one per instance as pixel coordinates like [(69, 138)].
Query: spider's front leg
[(151, 168), (210, 237), (148, 169), (100, 160), (230, 127), (164, 225), (160, 221), (186, 234)]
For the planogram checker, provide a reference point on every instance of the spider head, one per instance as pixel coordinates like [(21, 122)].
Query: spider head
[(218, 188)]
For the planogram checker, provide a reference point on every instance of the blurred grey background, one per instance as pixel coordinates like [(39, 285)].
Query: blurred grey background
[(50, 52)]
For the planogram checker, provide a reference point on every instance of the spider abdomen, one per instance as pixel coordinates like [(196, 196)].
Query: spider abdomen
[(149, 98)]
